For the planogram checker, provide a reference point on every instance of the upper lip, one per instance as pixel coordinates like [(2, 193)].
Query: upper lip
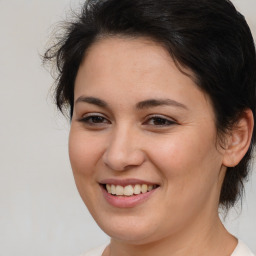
[(125, 182)]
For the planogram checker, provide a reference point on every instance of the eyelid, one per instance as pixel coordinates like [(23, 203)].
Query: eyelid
[(93, 114), (160, 116), (169, 119)]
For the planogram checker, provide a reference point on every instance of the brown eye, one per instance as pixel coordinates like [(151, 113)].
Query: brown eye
[(159, 121), (94, 120)]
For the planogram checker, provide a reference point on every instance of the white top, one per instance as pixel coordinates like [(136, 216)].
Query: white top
[(240, 250)]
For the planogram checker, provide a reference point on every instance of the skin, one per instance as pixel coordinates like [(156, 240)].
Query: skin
[(179, 152)]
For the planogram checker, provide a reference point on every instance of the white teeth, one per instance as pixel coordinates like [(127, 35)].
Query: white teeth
[(137, 189), (144, 188), (129, 190), (119, 190), (150, 187), (113, 189), (108, 188)]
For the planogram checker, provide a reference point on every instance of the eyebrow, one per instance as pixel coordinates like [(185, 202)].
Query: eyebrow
[(159, 102), (92, 100), (140, 105)]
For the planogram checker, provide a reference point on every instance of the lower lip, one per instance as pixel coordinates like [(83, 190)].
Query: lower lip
[(127, 201)]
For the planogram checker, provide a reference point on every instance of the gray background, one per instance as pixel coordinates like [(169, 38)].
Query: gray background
[(41, 211)]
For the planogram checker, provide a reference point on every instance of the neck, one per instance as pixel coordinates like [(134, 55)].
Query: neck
[(200, 238)]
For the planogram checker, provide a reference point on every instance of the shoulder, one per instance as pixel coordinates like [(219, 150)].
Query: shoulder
[(96, 251), (242, 250)]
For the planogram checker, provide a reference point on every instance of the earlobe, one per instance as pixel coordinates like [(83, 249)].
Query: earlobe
[(239, 139)]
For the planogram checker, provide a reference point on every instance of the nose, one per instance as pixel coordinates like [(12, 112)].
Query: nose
[(123, 151)]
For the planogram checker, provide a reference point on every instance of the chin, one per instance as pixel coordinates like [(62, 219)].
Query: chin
[(129, 230), (136, 238)]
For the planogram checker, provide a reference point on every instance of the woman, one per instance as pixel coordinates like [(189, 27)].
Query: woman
[(161, 97)]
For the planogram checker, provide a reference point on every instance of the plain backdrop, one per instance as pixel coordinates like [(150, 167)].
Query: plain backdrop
[(41, 212)]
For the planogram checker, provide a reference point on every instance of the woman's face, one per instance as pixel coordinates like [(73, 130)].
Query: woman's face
[(139, 121)]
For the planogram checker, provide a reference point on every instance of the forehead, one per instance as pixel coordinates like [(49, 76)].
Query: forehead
[(135, 69), (122, 53), (136, 58)]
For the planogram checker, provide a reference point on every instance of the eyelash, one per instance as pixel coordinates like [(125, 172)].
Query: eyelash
[(167, 122), (91, 120)]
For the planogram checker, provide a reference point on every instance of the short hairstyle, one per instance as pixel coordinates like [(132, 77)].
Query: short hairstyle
[(210, 38)]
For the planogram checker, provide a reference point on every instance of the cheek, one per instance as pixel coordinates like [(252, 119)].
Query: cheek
[(183, 152), (189, 167), (189, 163), (84, 151)]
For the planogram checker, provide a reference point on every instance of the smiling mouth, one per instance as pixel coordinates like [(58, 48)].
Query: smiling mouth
[(128, 190)]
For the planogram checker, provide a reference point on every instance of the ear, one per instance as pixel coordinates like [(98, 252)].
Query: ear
[(239, 139)]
